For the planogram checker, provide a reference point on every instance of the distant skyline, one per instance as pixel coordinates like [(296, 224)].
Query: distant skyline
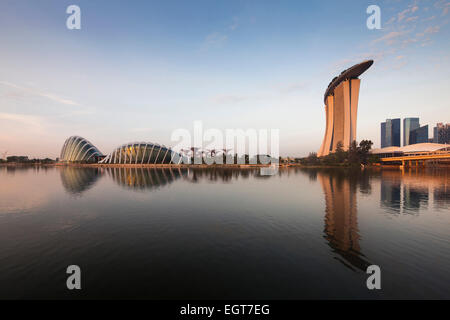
[(138, 71)]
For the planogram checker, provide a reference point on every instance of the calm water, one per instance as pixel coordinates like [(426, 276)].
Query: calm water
[(187, 234)]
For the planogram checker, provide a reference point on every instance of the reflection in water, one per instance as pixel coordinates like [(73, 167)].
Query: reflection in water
[(12, 170), (411, 191), (222, 174), (441, 195), (76, 180), (391, 193), (148, 178), (242, 236), (145, 178), (341, 216), (414, 197), (399, 192)]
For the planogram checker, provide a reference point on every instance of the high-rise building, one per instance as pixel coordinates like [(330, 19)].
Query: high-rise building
[(383, 135), (419, 135), (441, 133), (341, 107), (390, 133), (396, 135), (409, 124)]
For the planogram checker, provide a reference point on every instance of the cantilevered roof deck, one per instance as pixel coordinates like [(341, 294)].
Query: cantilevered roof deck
[(350, 73), (418, 147)]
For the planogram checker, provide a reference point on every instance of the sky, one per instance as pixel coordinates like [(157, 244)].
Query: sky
[(138, 70)]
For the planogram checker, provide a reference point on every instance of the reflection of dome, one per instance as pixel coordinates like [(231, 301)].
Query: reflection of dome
[(141, 153), (79, 149), (78, 180), (145, 178)]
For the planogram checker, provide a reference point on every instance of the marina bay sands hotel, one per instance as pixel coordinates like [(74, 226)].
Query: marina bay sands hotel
[(341, 108)]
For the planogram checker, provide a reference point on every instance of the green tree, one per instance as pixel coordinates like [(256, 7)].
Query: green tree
[(341, 155), (364, 148), (312, 158), (353, 153)]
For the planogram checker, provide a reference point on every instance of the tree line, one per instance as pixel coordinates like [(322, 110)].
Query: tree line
[(356, 155)]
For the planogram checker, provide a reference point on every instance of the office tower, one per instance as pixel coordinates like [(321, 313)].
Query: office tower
[(419, 135), (409, 124), (441, 133), (383, 135), (390, 133), (395, 130), (341, 106)]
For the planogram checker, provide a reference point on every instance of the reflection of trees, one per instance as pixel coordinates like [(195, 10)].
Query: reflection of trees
[(218, 174), (13, 169), (341, 216), (78, 180)]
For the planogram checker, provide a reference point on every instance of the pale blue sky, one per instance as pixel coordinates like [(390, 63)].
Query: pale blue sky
[(138, 70)]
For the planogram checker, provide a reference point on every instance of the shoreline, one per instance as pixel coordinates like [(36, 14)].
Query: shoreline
[(205, 166)]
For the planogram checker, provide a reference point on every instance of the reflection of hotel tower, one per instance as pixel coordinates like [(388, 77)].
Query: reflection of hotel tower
[(341, 221), (341, 107)]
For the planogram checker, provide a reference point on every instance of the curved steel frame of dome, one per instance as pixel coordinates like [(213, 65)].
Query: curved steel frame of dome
[(76, 148), (141, 153)]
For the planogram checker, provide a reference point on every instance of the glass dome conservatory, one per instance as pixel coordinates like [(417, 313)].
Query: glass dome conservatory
[(142, 153), (78, 149)]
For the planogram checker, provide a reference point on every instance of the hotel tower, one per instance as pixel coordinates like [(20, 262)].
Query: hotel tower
[(341, 108)]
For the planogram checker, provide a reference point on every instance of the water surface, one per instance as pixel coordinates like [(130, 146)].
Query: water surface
[(222, 233)]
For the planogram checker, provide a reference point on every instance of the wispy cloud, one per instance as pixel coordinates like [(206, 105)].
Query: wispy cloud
[(40, 93), (229, 99), (215, 40), (141, 129), (442, 5), (218, 39), (429, 30), (235, 24), (410, 19), (75, 113), (429, 18), (24, 119), (409, 26), (390, 38), (294, 87), (402, 15)]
